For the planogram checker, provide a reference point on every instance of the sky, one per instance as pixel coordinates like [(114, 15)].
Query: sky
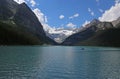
[(60, 14)]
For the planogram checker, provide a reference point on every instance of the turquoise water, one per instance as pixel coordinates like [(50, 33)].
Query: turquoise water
[(59, 62)]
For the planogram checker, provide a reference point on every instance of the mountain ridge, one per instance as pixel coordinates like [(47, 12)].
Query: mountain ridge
[(96, 34), (20, 19)]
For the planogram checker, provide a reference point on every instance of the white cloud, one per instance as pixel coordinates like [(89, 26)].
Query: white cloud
[(100, 10), (46, 20), (52, 30), (85, 23), (112, 14), (48, 29), (61, 16), (117, 1), (74, 16), (20, 1), (91, 12), (71, 25), (33, 3)]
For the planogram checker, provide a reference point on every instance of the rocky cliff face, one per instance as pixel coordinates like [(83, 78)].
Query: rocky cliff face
[(26, 18), (7, 9), (20, 18), (104, 25)]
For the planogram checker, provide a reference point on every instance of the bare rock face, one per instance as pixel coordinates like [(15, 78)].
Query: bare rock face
[(104, 25), (7, 9), (26, 18)]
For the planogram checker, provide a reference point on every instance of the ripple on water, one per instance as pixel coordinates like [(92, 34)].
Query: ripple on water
[(59, 63)]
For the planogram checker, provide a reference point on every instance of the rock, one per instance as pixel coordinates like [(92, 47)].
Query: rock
[(20, 19)]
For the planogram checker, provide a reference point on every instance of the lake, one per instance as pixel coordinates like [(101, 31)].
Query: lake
[(59, 62)]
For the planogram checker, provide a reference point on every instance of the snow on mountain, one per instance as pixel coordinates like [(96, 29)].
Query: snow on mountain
[(60, 34)]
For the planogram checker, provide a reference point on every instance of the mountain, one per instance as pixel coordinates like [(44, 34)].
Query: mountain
[(116, 23), (96, 33), (7, 9), (84, 33), (60, 34), (20, 26)]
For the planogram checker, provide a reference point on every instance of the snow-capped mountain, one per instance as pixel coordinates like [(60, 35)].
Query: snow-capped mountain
[(60, 34)]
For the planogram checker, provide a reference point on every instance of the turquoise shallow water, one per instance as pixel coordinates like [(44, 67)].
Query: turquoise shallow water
[(59, 62)]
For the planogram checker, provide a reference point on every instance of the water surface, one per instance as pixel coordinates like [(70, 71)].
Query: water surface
[(59, 62)]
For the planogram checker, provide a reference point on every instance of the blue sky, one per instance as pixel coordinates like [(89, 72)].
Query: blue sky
[(53, 9), (73, 13)]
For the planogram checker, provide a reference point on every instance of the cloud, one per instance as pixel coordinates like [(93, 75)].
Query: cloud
[(46, 20), (117, 1), (33, 3), (74, 16), (112, 14), (91, 12), (20, 1), (100, 10), (61, 16), (71, 25), (52, 30)]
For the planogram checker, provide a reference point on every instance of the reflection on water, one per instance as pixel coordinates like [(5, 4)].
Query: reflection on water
[(59, 62)]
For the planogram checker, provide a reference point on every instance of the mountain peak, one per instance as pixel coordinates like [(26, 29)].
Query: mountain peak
[(24, 4), (95, 21), (92, 23)]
